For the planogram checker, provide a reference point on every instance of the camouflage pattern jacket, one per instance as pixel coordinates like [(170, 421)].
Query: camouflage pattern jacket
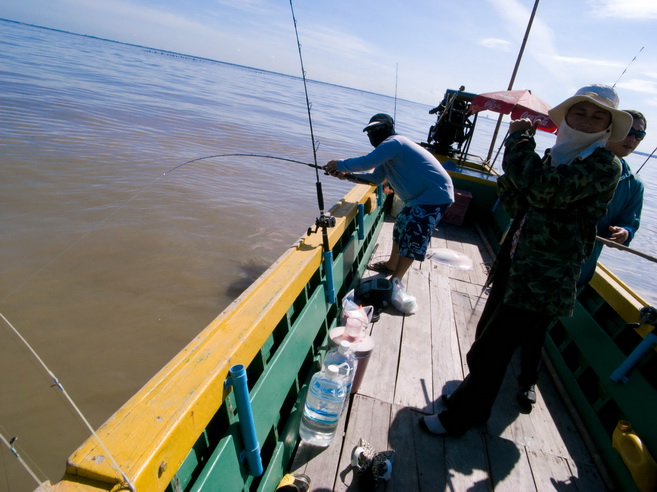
[(554, 211)]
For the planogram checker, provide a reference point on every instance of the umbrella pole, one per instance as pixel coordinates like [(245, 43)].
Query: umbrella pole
[(513, 77)]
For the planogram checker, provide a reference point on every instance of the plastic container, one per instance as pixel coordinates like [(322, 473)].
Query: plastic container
[(362, 350), (344, 358), (324, 402), (355, 329), (636, 456)]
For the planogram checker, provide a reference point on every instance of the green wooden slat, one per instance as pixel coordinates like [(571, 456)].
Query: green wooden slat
[(223, 470)]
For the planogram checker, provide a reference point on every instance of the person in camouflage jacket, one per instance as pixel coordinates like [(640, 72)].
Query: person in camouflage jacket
[(558, 208), (555, 202)]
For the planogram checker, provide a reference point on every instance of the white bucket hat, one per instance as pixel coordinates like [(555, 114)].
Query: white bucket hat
[(604, 97)]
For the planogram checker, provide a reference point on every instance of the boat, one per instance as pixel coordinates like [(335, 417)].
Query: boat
[(188, 429)]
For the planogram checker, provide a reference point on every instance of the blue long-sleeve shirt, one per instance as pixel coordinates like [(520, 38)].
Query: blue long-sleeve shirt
[(414, 173), (624, 210)]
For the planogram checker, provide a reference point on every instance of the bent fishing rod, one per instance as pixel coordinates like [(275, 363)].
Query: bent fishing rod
[(348, 176), (627, 249)]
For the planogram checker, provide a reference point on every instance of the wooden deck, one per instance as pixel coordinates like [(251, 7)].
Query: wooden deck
[(416, 357)]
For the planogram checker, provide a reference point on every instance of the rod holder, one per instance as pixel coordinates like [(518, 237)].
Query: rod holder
[(380, 196), (361, 221), (251, 450), (328, 269), (620, 374)]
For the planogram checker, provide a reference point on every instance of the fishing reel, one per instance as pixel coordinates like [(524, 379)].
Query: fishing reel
[(647, 316), (323, 221)]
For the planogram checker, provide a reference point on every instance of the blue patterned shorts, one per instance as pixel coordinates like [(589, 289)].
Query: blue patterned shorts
[(413, 229)]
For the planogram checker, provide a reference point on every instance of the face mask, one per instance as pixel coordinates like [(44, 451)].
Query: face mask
[(378, 136), (572, 143)]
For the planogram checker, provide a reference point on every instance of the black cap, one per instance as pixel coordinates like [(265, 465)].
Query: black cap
[(380, 119)]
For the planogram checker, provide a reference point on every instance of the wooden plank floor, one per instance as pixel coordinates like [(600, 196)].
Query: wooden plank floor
[(415, 359)]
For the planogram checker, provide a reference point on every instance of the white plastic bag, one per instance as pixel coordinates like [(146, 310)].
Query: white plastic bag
[(401, 300), (352, 310)]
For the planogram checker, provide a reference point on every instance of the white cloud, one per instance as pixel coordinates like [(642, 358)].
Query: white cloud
[(625, 9), (639, 85), (338, 43), (580, 62), (496, 44)]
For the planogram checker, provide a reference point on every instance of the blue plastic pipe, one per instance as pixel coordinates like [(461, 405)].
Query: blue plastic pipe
[(252, 449), (379, 195), (361, 221), (620, 374), (328, 268)]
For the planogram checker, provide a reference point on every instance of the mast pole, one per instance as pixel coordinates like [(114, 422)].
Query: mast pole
[(513, 78)]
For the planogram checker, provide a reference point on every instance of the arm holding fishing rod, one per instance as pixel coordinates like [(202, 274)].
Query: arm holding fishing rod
[(331, 169)]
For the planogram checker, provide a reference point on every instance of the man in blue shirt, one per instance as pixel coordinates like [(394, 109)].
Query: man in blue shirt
[(418, 179)]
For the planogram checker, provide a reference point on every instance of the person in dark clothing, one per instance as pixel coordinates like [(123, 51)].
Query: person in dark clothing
[(555, 202)]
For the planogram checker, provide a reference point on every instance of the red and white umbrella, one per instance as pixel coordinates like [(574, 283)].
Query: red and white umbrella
[(520, 104)]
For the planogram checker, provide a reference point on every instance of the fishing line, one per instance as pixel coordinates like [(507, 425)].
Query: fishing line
[(628, 66), (59, 385)]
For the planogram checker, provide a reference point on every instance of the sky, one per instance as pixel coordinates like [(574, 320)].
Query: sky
[(412, 49)]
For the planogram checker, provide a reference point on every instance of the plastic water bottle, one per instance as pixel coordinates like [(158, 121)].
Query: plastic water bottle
[(344, 357), (324, 402)]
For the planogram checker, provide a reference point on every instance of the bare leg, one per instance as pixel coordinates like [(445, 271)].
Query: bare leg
[(398, 264), (403, 264)]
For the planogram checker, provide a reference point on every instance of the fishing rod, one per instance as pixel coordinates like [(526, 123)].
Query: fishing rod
[(350, 177), (616, 245), (323, 221), (628, 66), (647, 159), (394, 114), (58, 384), (10, 444)]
